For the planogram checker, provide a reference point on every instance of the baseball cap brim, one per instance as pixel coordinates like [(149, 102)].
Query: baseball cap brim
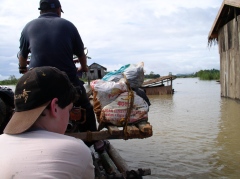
[(22, 121)]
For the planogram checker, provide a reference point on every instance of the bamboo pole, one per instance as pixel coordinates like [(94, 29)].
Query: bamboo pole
[(117, 159)]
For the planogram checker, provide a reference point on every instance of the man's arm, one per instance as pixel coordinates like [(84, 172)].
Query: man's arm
[(83, 61), (22, 64)]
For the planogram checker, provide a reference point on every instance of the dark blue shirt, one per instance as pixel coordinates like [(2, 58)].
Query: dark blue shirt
[(52, 41)]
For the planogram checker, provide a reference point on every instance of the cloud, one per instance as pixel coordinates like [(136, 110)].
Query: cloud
[(168, 36)]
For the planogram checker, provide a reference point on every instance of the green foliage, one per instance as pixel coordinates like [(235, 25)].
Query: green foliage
[(151, 75), (191, 75), (208, 74), (12, 80)]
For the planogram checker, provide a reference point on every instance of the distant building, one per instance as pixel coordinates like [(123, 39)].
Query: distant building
[(225, 32), (96, 71)]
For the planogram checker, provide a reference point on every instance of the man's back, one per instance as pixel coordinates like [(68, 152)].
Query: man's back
[(42, 154), (52, 41)]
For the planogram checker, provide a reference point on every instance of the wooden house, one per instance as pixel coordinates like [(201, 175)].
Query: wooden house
[(96, 71), (225, 32)]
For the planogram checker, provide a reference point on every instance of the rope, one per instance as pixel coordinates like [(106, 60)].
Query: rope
[(129, 108)]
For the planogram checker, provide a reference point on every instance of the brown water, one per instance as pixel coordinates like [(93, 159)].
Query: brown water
[(196, 134)]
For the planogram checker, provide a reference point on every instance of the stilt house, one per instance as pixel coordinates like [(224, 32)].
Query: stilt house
[(225, 32)]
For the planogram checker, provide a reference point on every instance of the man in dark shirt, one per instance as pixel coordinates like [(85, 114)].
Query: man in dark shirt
[(52, 41)]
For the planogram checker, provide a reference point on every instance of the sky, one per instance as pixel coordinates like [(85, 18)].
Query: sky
[(168, 36)]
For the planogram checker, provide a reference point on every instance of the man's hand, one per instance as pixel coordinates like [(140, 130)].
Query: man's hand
[(22, 66), (83, 62)]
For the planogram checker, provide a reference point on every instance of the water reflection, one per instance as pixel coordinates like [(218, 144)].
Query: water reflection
[(227, 159)]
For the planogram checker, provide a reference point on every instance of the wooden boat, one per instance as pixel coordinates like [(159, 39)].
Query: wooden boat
[(108, 162)]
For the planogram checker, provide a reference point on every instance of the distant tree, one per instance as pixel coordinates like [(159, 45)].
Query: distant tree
[(212, 74), (152, 75), (12, 80), (12, 77)]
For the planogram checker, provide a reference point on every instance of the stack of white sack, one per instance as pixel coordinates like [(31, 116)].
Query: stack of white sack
[(134, 73), (111, 96)]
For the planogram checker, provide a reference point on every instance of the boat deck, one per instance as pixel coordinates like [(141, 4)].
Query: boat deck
[(131, 131), (109, 164)]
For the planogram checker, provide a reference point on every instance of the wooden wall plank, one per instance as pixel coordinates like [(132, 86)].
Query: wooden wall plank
[(229, 41), (225, 29), (238, 28), (230, 35), (231, 74)]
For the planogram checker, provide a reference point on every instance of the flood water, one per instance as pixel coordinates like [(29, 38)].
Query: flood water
[(196, 134)]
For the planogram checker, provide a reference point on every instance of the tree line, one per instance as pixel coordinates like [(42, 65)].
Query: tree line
[(12, 80), (212, 74), (152, 75)]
